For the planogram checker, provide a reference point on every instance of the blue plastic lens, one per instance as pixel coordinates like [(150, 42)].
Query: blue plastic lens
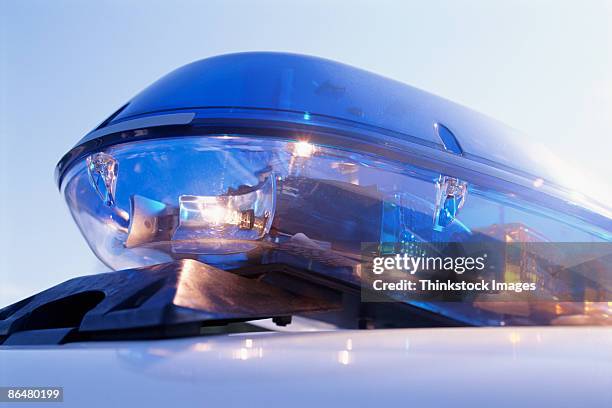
[(448, 138), (238, 200), (311, 160), (230, 194)]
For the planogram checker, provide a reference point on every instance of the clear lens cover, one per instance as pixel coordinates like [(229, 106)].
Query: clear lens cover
[(236, 200)]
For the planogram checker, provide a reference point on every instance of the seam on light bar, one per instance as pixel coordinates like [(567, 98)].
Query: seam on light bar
[(149, 121)]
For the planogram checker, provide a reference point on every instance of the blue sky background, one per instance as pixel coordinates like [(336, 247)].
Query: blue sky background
[(542, 66)]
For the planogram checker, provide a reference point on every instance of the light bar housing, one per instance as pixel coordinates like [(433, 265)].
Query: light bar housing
[(234, 159)]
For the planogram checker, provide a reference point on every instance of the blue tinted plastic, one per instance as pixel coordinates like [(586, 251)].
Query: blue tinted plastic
[(448, 138), (262, 89), (237, 200), (318, 87), (329, 195)]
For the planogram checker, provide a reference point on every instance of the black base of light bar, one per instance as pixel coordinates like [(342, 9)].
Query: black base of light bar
[(181, 298)]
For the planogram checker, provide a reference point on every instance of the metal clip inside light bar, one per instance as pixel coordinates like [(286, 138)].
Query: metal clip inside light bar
[(450, 197), (102, 170)]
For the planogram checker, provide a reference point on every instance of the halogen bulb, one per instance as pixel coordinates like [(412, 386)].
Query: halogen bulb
[(303, 149), (211, 211), (221, 224)]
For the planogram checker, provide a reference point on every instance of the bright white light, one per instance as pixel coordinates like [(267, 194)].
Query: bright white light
[(303, 149), (537, 183), (200, 210), (216, 214)]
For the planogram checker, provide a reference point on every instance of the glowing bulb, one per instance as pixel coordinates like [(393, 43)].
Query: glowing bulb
[(303, 149), (202, 211), (240, 215), (216, 214)]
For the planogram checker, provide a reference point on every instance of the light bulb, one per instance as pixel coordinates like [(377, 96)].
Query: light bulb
[(209, 224)]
